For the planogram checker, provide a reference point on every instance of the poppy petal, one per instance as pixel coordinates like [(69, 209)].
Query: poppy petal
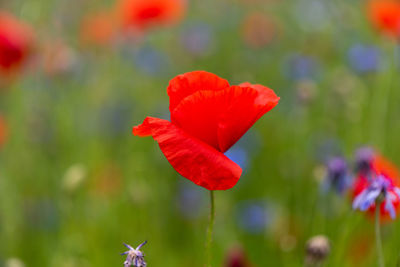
[(385, 15), (380, 165), (199, 113), (188, 83), (250, 103), (190, 157), (220, 118), (145, 14)]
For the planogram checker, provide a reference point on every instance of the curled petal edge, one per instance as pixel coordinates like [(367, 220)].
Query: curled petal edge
[(193, 159)]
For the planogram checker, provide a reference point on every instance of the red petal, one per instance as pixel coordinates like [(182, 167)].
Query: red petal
[(220, 118), (385, 15), (186, 84), (199, 113), (383, 166), (250, 102), (190, 157)]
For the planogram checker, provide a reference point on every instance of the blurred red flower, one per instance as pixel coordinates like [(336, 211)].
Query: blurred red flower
[(236, 257), (379, 166), (3, 131), (258, 30), (57, 57), (16, 42), (98, 28), (208, 116), (140, 15), (385, 15)]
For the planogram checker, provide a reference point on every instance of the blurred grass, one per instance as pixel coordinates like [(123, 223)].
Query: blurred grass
[(130, 193)]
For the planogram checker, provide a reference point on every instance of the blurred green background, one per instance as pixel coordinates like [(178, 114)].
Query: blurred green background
[(75, 184)]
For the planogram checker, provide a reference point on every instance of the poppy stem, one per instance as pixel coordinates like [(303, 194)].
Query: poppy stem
[(379, 250), (210, 230)]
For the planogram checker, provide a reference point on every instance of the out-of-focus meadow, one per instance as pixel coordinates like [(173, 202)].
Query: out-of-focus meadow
[(75, 183)]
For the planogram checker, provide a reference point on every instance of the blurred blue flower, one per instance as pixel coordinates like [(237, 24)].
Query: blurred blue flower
[(364, 58), (299, 67), (325, 148), (114, 118), (191, 199), (248, 145), (251, 141), (337, 177), (252, 216), (41, 214), (197, 39), (379, 189), (312, 15), (150, 60), (134, 256), (238, 155)]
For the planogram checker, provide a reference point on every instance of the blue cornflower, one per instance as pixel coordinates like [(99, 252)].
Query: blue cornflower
[(380, 189), (150, 60), (337, 177), (300, 67), (238, 155), (364, 58), (134, 256), (198, 39), (253, 216)]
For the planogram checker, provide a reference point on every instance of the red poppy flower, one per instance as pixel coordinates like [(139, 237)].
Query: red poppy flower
[(385, 15), (3, 131), (15, 43), (57, 57), (98, 28), (258, 30), (236, 257), (381, 178), (141, 15), (208, 116)]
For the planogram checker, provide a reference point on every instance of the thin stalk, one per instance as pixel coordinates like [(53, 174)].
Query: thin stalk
[(381, 100), (379, 250), (210, 230)]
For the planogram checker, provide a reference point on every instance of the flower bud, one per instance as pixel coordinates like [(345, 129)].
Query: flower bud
[(317, 249)]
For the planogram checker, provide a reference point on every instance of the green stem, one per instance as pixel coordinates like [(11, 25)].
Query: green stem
[(379, 250), (210, 230), (381, 100)]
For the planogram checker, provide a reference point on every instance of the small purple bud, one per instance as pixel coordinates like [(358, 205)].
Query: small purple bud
[(364, 157), (338, 177)]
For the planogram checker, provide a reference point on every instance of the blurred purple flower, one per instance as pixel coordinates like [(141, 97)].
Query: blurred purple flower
[(364, 58), (134, 256), (252, 216), (197, 39), (337, 177), (150, 60), (379, 187), (299, 67), (364, 157)]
